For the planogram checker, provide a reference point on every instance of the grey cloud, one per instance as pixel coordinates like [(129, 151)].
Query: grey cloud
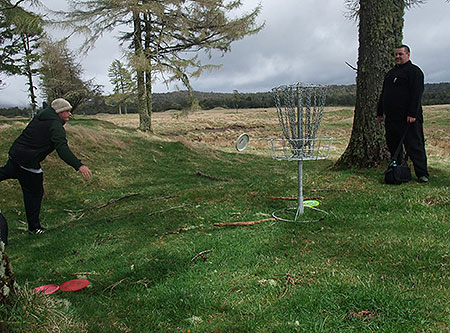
[(303, 40)]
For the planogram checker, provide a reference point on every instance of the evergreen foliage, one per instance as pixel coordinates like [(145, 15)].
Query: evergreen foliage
[(165, 37), (61, 76), (337, 95), (20, 34), (124, 86)]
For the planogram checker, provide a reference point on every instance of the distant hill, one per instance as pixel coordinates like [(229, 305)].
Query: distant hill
[(345, 95)]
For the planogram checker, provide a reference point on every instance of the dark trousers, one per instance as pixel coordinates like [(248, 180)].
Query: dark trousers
[(414, 143), (32, 188)]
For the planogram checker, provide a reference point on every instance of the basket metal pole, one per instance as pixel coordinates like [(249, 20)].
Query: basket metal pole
[(300, 208), (300, 161)]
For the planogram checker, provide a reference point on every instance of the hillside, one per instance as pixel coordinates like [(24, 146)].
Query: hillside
[(143, 233), (344, 95)]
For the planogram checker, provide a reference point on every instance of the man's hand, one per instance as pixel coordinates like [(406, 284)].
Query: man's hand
[(380, 119), (85, 172), (410, 120)]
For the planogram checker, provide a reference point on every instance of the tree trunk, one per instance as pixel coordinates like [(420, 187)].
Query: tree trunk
[(148, 72), (29, 74), (144, 118), (6, 276), (380, 31)]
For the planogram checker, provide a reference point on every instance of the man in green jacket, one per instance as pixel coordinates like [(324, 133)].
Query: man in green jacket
[(44, 134)]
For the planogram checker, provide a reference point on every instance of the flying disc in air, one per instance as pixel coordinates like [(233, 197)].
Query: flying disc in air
[(74, 285), (47, 289), (310, 203), (242, 142)]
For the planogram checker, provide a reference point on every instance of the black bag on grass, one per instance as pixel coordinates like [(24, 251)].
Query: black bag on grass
[(3, 229), (398, 173)]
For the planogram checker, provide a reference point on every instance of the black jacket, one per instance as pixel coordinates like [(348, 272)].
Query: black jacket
[(44, 134), (402, 93)]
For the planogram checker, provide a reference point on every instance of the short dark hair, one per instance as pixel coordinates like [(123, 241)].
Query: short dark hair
[(403, 46)]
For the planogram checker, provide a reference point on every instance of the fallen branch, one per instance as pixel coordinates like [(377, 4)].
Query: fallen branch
[(144, 282), (232, 291), (171, 208), (114, 285), (226, 224), (102, 205), (85, 273), (289, 285), (201, 174), (201, 254), (282, 198)]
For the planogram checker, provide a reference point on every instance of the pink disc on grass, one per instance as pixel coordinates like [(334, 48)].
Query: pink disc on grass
[(74, 285), (47, 289)]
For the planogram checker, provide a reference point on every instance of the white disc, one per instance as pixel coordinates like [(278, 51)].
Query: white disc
[(242, 142)]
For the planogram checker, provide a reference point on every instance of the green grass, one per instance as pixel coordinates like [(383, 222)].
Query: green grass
[(378, 262)]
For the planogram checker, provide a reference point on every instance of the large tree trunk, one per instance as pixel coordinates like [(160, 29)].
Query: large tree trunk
[(380, 31), (144, 118)]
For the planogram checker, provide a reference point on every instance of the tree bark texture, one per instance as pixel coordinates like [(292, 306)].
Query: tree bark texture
[(380, 31), (144, 117), (148, 72), (6, 276)]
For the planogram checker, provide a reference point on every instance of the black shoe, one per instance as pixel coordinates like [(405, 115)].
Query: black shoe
[(37, 231), (423, 179)]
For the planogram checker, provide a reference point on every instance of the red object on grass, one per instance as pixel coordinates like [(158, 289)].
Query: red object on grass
[(74, 285), (47, 289)]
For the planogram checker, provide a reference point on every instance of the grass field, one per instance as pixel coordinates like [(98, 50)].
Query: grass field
[(379, 261)]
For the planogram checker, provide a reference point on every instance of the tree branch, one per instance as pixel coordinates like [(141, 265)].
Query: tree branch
[(102, 205), (13, 6)]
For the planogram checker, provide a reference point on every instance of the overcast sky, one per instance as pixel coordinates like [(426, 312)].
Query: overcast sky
[(303, 41)]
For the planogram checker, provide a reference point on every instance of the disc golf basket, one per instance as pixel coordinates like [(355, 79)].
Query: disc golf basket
[(299, 110)]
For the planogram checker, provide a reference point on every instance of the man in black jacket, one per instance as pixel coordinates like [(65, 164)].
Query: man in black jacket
[(44, 134), (401, 103)]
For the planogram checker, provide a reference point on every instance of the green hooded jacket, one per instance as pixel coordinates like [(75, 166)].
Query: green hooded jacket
[(44, 134)]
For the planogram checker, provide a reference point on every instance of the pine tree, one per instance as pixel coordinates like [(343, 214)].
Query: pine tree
[(61, 75), (165, 36), (20, 34), (123, 84)]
